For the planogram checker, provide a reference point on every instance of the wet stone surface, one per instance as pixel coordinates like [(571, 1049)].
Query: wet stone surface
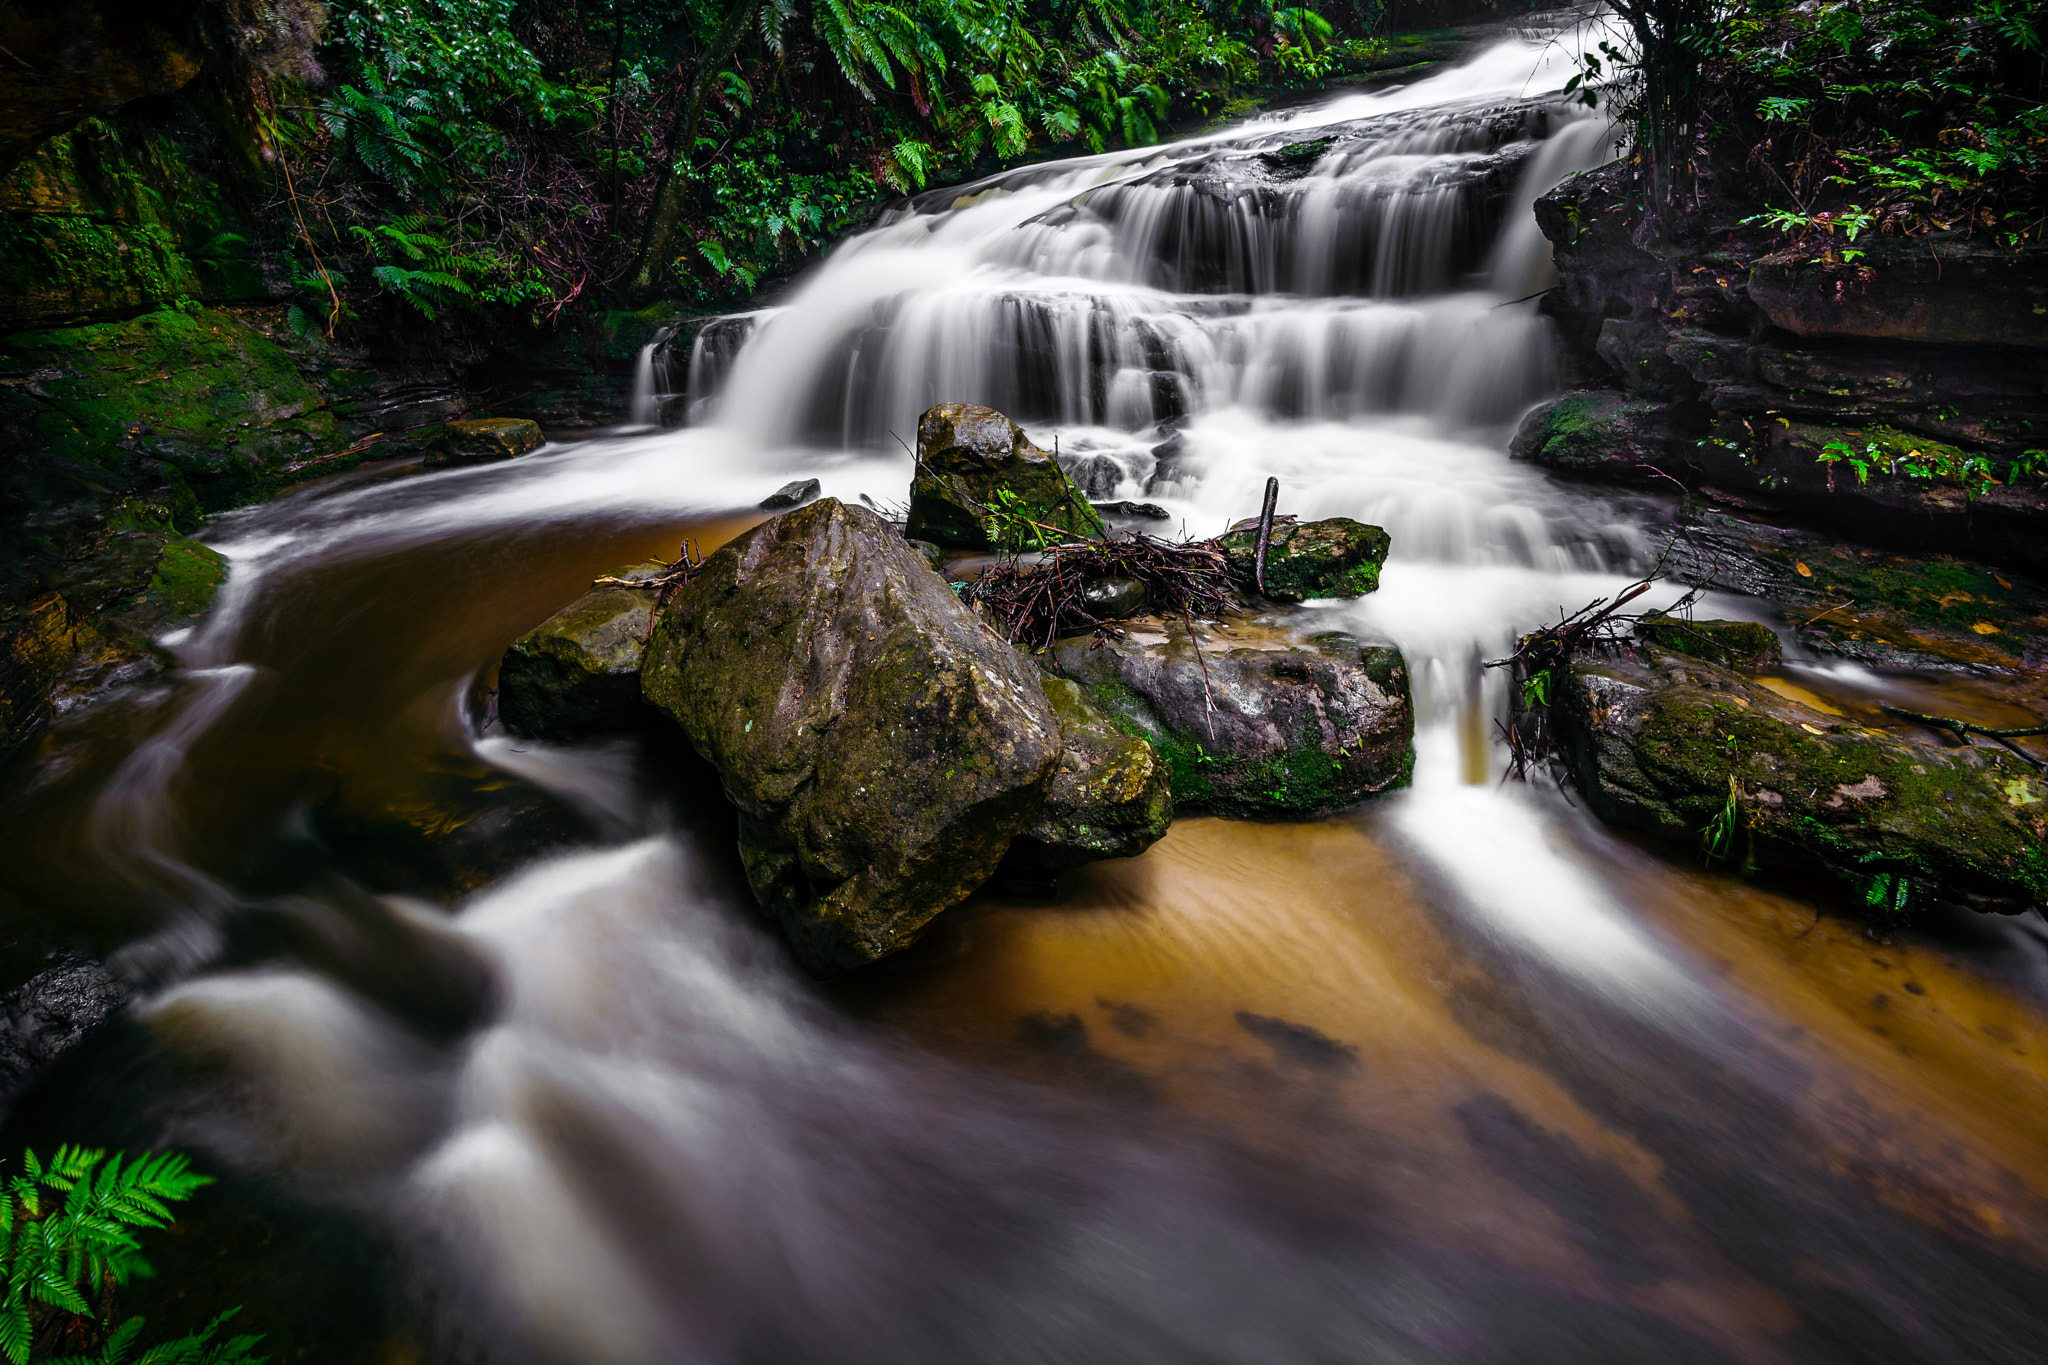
[(1262, 721)]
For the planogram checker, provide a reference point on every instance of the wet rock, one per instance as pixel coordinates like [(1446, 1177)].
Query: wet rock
[(1699, 754), (795, 493), (1113, 598), (1337, 557), (1138, 511), (1096, 476), (974, 463), (1605, 436), (932, 555), (1954, 291), (1732, 644), (1109, 797), (578, 672), (48, 1015), (1299, 726), (484, 439), (882, 745)]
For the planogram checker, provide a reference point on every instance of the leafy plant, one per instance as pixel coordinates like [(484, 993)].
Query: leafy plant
[(67, 1242), (1717, 840)]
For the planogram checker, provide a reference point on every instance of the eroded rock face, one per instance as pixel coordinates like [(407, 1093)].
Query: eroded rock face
[(578, 672), (967, 457), (1299, 726), (1337, 557), (1109, 797), (1672, 746), (484, 439), (883, 746)]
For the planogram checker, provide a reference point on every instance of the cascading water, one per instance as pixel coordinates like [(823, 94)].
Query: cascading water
[(1455, 1077)]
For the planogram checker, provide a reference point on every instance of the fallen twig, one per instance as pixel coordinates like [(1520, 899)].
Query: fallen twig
[(1963, 729)]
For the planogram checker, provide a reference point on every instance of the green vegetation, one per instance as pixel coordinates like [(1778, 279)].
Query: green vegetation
[(1845, 117), (67, 1242), (534, 157)]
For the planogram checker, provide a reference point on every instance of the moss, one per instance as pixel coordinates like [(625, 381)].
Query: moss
[(1928, 592), (1732, 644), (1337, 557), (1858, 804)]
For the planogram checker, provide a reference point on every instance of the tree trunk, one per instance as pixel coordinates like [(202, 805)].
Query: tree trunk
[(673, 186)]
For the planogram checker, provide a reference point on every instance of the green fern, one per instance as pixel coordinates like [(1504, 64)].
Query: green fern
[(67, 1242)]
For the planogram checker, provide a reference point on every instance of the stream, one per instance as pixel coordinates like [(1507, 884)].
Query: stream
[(1458, 1075)]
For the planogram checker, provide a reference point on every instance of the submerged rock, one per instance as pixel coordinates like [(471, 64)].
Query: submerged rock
[(578, 672), (484, 439), (1109, 797), (883, 746), (1299, 726), (975, 465), (1698, 753), (1338, 557), (443, 829), (1732, 644)]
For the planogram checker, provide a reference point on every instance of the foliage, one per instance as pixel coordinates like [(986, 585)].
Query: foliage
[(467, 155), (67, 1242), (1849, 116)]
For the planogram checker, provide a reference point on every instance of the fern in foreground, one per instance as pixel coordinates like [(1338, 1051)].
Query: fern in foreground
[(67, 1242)]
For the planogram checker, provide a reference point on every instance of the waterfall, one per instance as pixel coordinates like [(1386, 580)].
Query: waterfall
[(1450, 1076), (644, 407)]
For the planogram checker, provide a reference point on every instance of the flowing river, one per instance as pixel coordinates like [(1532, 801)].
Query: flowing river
[(1456, 1076)]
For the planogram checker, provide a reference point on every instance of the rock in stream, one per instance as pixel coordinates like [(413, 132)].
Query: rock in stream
[(1698, 753), (577, 673), (973, 462), (883, 746), (1263, 721)]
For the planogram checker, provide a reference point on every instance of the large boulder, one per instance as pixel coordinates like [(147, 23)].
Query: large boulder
[(1109, 797), (578, 672), (1262, 721), (883, 746), (1698, 753), (978, 474), (1338, 557)]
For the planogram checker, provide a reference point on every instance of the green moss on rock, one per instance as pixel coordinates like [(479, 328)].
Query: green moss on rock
[(1732, 644), (1109, 798), (578, 673), (1695, 752), (1336, 557), (1285, 728), (980, 479)]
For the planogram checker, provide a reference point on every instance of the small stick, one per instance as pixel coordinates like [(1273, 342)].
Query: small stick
[(1265, 534), (1963, 729)]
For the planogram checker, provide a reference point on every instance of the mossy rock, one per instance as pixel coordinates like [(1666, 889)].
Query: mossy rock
[(882, 744), (979, 477), (1604, 436), (1337, 557), (191, 407), (1732, 644), (1261, 722), (1700, 755), (577, 673), (1109, 798), (481, 440)]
